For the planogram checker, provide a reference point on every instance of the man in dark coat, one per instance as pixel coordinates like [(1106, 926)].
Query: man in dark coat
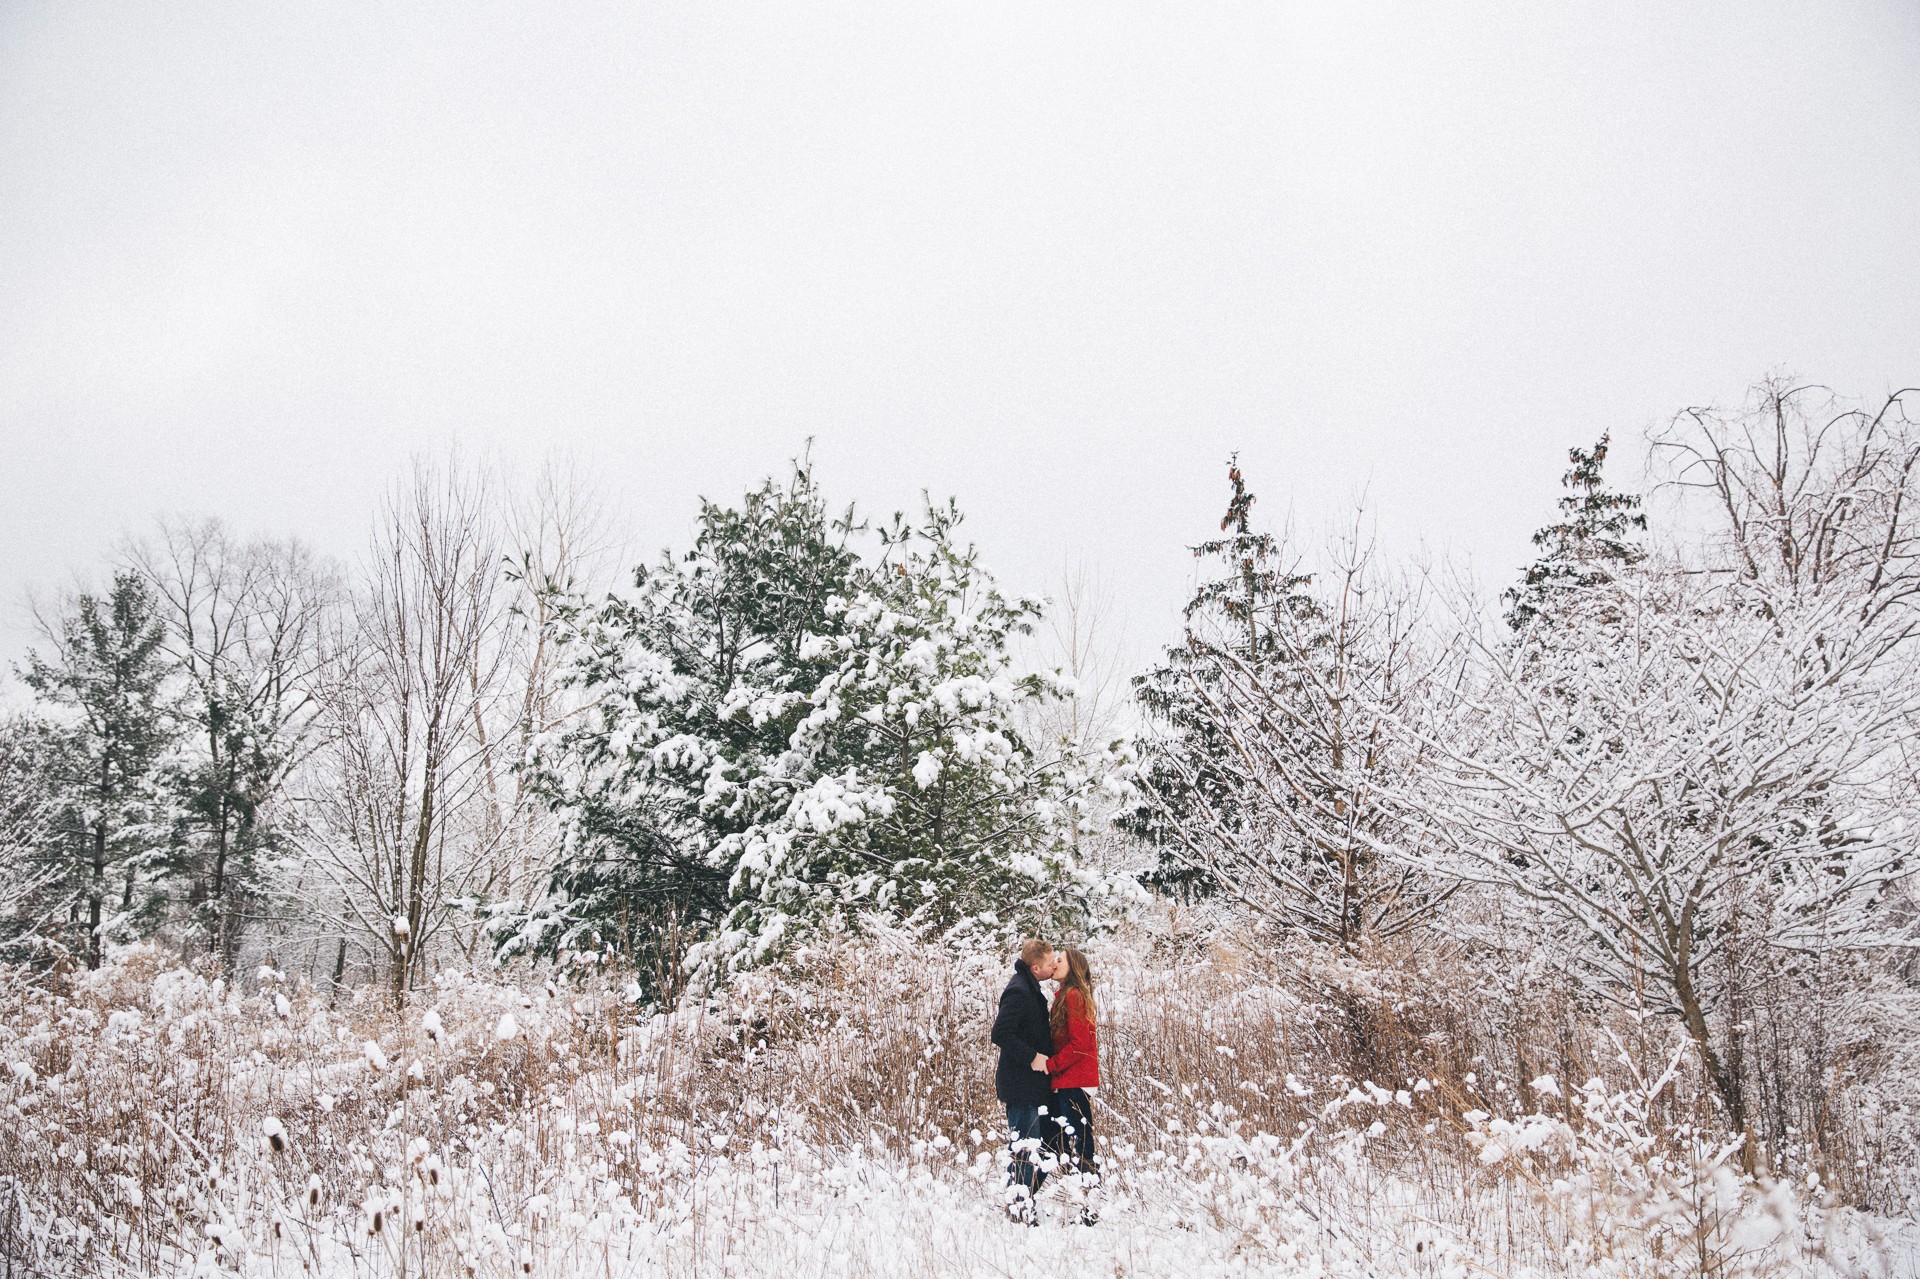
[(1024, 1036)]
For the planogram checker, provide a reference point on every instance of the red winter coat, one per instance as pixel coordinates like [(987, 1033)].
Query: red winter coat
[(1076, 1055)]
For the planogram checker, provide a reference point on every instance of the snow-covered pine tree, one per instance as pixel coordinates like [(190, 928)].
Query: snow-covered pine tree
[(1186, 766), (104, 683), (656, 667), (915, 794), (1596, 536), (1276, 737), (784, 737)]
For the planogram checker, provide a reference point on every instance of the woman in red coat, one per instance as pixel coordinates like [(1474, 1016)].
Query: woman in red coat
[(1075, 1068)]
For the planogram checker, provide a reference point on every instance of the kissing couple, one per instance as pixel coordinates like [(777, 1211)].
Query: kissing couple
[(1049, 1065)]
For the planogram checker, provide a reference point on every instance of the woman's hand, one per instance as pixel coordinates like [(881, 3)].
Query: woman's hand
[(1040, 1062)]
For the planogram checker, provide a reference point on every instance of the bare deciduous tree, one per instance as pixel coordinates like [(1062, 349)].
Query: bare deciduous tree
[(395, 812), (439, 679), (1808, 495), (1083, 637), (243, 627), (1677, 772), (563, 541)]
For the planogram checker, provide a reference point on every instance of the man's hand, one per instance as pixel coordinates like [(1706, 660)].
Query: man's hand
[(1040, 1062)]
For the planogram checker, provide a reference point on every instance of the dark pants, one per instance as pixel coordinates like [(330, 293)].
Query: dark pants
[(1075, 1128), (1028, 1129)]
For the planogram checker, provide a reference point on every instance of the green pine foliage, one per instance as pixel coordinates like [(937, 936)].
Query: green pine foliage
[(104, 686), (1594, 537), (784, 737), (730, 614), (242, 622), (222, 792), (1230, 615)]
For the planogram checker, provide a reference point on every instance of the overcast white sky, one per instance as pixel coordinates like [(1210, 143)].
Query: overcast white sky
[(1057, 260)]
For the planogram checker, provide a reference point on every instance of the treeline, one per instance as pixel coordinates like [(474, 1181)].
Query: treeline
[(464, 746), (248, 752), (1672, 786), (1670, 774)]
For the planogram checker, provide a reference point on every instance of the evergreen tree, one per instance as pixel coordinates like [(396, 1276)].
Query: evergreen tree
[(1231, 615), (905, 789), (785, 737), (105, 680), (727, 618), (1594, 538)]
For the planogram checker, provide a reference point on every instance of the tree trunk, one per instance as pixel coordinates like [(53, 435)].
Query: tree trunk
[(97, 893), (1725, 1082), (218, 942), (406, 947)]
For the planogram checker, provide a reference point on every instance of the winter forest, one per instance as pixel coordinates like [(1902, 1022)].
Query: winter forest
[(491, 903)]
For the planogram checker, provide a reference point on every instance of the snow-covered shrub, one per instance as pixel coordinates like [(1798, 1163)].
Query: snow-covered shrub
[(1639, 1197)]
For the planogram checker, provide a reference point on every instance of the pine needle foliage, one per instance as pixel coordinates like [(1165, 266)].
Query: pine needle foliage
[(1233, 614), (1596, 535), (783, 736), (105, 681)]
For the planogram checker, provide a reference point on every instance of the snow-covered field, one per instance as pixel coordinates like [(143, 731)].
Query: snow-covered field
[(840, 1122)]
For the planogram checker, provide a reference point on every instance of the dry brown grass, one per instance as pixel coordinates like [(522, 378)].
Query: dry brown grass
[(1271, 1105)]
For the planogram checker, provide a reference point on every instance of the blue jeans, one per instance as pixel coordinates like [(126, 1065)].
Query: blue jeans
[(1027, 1131)]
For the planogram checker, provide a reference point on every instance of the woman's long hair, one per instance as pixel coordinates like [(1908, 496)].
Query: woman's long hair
[(1079, 977)]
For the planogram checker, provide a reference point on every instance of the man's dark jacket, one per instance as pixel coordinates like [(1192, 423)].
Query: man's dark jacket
[(1021, 1030)]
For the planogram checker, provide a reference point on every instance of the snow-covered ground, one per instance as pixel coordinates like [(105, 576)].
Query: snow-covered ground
[(159, 1123)]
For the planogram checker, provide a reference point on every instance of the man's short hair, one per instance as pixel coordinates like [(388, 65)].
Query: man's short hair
[(1033, 950)]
